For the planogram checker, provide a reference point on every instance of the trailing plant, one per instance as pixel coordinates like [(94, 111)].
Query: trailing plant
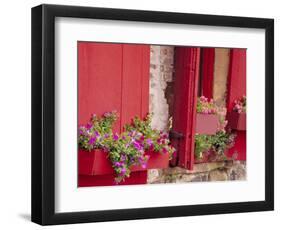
[(92, 135), (202, 145), (217, 143), (240, 105), (153, 139), (128, 148), (222, 141)]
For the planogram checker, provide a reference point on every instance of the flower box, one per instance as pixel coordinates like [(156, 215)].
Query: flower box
[(237, 121), (97, 163), (211, 156), (206, 123), (138, 177)]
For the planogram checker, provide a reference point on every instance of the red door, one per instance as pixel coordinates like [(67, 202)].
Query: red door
[(187, 62), (112, 77)]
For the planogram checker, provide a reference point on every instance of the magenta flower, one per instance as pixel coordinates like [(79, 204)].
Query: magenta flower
[(118, 164), (123, 171), (144, 165), (88, 126), (123, 157), (92, 140), (97, 134), (137, 146), (149, 142), (115, 137), (164, 150)]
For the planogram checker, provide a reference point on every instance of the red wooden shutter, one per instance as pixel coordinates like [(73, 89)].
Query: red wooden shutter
[(184, 114), (236, 89), (207, 74), (112, 77)]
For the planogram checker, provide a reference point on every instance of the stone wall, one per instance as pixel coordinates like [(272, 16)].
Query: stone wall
[(214, 171), (161, 75)]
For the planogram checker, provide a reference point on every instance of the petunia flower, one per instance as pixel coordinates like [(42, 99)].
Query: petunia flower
[(92, 140)]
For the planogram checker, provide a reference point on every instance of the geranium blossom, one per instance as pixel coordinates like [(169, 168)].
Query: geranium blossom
[(240, 105), (206, 106)]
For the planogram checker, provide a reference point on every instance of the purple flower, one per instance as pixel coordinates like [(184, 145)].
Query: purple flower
[(123, 157), (92, 140), (118, 164), (149, 142), (89, 126), (123, 171), (115, 137), (81, 132), (106, 135), (137, 146), (144, 165), (97, 134)]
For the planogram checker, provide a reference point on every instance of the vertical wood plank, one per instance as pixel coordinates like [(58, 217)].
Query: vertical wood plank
[(99, 80), (135, 82)]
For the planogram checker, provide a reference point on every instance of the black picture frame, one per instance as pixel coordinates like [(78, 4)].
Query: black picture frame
[(43, 114)]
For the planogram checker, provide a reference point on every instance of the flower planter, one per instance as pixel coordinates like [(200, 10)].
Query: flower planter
[(237, 121), (206, 123), (210, 156), (139, 177), (97, 163)]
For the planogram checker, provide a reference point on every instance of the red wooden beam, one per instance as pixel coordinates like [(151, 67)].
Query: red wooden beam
[(184, 114)]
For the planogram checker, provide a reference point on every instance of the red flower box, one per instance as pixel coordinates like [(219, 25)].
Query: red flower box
[(237, 121), (211, 156), (206, 123), (97, 163), (139, 177)]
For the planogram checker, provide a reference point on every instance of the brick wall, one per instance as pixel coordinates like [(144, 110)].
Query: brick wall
[(161, 75)]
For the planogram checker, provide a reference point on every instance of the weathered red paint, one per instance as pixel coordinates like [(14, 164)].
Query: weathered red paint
[(139, 177), (236, 89), (207, 71), (184, 112), (206, 123), (97, 163), (113, 77)]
